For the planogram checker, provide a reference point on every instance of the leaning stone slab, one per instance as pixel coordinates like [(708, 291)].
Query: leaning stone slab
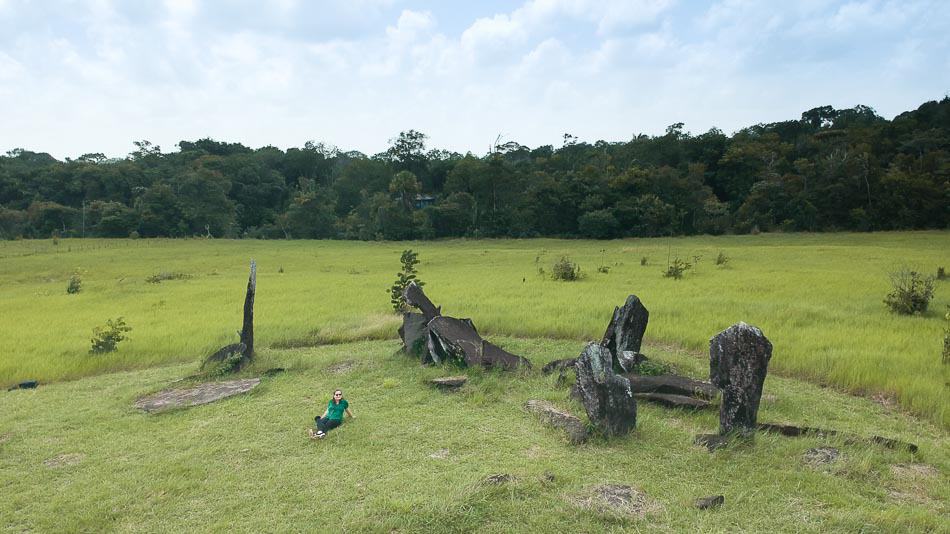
[(713, 501), (606, 396), (738, 362), (457, 339), (672, 385), (413, 333), (551, 415), (624, 334), (674, 401), (202, 394)]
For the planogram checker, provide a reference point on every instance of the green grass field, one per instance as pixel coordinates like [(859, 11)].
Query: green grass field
[(75, 456), (818, 297)]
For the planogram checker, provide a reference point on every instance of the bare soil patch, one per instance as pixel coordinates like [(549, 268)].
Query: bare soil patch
[(64, 460)]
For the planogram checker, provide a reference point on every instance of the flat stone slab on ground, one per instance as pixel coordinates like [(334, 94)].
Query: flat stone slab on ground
[(674, 401), (449, 382), (713, 501), (576, 430), (202, 394)]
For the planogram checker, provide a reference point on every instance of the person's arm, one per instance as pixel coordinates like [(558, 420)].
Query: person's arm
[(325, 412), (348, 412)]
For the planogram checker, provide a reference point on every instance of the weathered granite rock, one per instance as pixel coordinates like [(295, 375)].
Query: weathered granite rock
[(449, 382), (795, 431), (674, 401), (558, 365), (229, 353), (457, 339), (713, 501), (29, 384), (415, 297), (551, 415), (448, 338), (673, 385), (624, 334), (414, 334), (201, 394), (606, 396), (738, 362)]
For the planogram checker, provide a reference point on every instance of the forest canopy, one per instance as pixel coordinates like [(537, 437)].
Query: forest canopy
[(830, 170)]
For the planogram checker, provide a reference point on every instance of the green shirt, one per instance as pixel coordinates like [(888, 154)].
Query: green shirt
[(335, 411)]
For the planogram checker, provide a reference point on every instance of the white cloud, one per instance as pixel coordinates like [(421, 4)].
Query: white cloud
[(100, 74)]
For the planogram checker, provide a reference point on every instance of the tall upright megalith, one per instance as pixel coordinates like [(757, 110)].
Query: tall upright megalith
[(606, 396), (738, 362)]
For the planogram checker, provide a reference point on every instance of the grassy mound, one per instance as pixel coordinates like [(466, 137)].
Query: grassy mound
[(77, 456)]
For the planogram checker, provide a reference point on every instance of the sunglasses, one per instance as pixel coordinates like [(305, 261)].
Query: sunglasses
[(337, 394)]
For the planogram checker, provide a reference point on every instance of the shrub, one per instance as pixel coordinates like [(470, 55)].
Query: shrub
[(941, 273), (106, 338), (912, 292), (677, 268), (644, 260), (565, 269), (603, 269), (163, 276), (722, 259), (75, 284), (409, 260)]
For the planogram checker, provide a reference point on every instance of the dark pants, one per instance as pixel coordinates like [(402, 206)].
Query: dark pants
[(325, 425)]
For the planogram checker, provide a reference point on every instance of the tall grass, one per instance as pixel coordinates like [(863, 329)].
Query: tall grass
[(817, 297)]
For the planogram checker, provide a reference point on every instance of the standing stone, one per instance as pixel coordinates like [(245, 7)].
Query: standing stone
[(624, 334), (414, 334), (606, 396), (738, 361)]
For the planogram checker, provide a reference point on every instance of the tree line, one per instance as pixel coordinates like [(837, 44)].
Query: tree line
[(831, 170)]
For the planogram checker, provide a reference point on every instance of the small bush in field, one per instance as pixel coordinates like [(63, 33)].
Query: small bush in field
[(565, 269), (941, 273), (75, 284), (644, 260), (722, 259), (409, 260), (677, 268), (911, 293), (163, 276), (106, 338)]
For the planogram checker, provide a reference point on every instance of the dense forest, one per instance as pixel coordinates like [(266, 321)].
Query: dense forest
[(831, 170)]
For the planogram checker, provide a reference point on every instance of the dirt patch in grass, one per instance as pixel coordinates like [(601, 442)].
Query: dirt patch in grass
[(821, 456), (914, 471), (616, 499), (440, 454), (341, 367), (64, 460)]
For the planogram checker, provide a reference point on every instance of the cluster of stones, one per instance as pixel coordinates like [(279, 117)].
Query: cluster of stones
[(437, 338)]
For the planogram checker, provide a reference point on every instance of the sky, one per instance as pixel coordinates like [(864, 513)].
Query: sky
[(80, 76)]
